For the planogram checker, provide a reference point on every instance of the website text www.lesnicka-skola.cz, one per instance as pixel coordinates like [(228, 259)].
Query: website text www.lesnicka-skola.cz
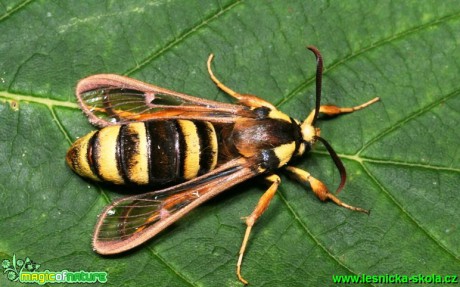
[(395, 279)]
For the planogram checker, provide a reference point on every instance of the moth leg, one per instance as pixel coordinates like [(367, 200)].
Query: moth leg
[(332, 110), (319, 188), (246, 99), (261, 206)]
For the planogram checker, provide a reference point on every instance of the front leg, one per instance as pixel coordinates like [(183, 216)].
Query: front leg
[(332, 110), (261, 206), (319, 189)]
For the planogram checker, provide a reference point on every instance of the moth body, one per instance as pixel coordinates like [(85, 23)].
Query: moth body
[(187, 150), (164, 152)]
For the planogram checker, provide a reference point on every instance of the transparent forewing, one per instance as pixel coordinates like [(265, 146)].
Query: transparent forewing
[(134, 215), (112, 99), (118, 103), (133, 220)]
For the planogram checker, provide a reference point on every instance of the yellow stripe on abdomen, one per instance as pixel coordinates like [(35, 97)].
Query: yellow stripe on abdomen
[(105, 155), (77, 157), (137, 162), (191, 164)]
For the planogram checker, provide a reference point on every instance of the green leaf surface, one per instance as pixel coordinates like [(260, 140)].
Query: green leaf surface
[(402, 154)]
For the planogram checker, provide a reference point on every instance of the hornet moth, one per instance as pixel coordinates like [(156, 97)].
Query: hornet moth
[(187, 150)]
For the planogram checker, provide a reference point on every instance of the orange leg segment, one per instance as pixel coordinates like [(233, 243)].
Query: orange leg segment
[(319, 188), (246, 99), (332, 110), (261, 206)]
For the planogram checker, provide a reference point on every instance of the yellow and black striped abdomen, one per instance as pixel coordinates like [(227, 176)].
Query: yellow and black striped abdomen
[(146, 153)]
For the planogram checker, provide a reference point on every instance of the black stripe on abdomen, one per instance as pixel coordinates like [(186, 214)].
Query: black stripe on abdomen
[(132, 154), (164, 151), (208, 146)]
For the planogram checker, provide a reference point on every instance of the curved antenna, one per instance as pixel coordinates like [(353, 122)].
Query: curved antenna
[(337, 161), (319, 79)]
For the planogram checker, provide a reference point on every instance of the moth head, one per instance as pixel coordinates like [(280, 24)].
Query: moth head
[(311, 134)]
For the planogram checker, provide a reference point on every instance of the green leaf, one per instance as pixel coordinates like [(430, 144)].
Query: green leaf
[(402, 154)]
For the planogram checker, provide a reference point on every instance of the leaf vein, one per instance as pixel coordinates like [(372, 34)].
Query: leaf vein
[(371, 47), (408, 118), (409, 216), (15, 9), (177, 40), (305, 228)]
